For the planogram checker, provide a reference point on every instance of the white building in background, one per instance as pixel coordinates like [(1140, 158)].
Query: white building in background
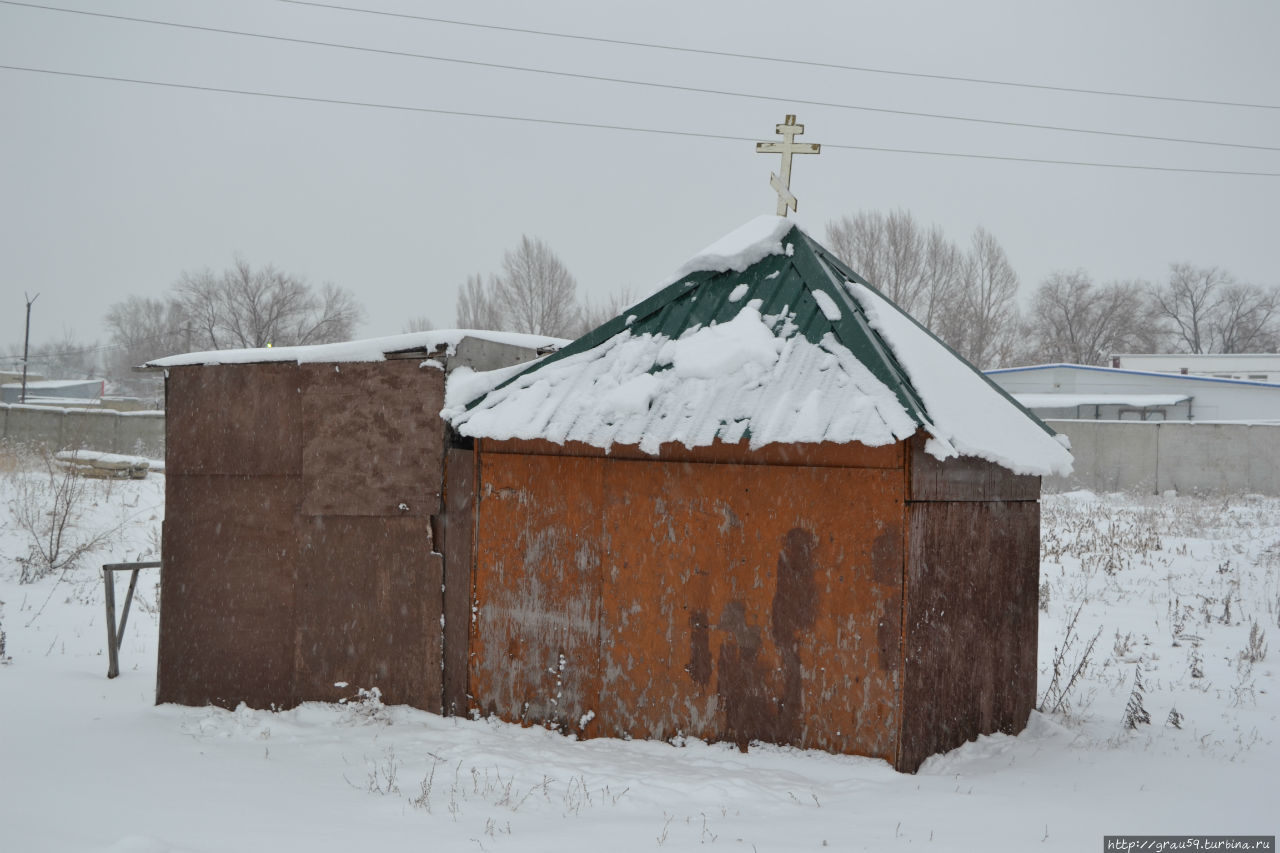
[(1083, 392), (1252, 367)]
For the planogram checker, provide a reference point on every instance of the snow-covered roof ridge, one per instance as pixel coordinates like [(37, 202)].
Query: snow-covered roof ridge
[(765, 337), (368, 349)]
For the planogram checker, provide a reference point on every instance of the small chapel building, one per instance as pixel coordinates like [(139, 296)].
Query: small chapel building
[(763, 504)]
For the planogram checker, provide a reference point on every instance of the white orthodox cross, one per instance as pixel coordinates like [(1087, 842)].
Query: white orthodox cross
[(782, 185)]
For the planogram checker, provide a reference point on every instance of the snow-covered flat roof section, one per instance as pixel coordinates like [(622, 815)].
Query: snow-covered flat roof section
[(53, 384), (370, 349), (704, 360), (1067, 401)]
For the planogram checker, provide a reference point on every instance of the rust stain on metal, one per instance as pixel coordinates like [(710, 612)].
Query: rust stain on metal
[(699, 648), (732, 606), (535, 635), (792, 617)]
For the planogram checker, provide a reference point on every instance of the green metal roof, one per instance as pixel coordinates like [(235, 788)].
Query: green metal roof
[(784, 283), (789, 289)]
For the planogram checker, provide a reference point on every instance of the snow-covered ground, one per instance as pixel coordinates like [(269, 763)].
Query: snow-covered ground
[(1173, 584)]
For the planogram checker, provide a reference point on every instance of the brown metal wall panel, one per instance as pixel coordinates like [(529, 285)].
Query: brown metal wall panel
[(368, 610), (535, 639), (746, 602), (825, 454), (971, 623), (458, 548), (739, 602), (372, 438), (240, 419), (226, 627), (964, 478)]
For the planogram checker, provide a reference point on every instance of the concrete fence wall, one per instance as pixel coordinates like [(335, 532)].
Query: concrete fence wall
[(1154, 457), (140, 433)]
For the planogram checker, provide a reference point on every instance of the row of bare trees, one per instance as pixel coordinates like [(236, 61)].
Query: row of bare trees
[(534, 293), (969, 299), (242, 306), (966, 294), (1195, 310)]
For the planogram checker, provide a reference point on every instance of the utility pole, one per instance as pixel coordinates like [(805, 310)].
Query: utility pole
[(26, 344)]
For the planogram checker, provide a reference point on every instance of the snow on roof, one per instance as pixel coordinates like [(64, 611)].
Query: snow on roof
[(370, 349), (714, 383), (1066, 401), (968, 414), (53, 384), (1159, 375), (805, 353)]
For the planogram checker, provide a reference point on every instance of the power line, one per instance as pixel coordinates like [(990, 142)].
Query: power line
[(647, 83), (627, 128), (806, 62)]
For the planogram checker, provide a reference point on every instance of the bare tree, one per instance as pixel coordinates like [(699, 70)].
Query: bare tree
[(241, 307), (984, 325), (420, 323), (916, 268), (478, 305), (1187, 303), (1247, 319), (1206, 310), (254, 308), (66, 358), (1073, 320), (538, 294), (247, 307), (593, 315), (535, 293), (143, 328)]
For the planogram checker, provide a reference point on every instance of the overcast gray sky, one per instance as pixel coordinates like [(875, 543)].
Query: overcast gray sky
[(111, 189)]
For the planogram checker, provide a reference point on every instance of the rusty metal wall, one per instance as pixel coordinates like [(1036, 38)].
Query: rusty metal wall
[(535, 644), (753, 602), (971, 623), (288, 562), (724, 601)]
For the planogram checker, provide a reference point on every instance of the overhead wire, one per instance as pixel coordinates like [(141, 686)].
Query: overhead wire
[(789, 60), (625, 128), (646, 83)]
